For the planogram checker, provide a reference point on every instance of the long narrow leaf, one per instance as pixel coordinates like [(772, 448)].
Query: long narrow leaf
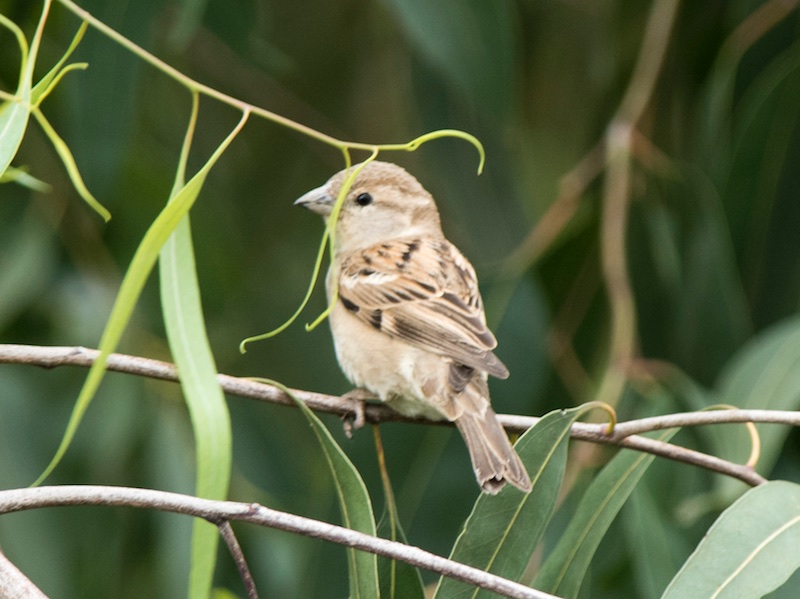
[(188, 341), (46, 83), (183, 317), (502, 531), (398, 579), (22, 177), (749, 551), (140, 268), (356, 507), (14, 114), (69, 163), (659, 549), (565, 567)]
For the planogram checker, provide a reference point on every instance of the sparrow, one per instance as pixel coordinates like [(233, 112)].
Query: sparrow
[(408, 324)]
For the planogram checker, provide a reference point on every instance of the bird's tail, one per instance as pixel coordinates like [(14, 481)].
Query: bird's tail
[(493, 458)]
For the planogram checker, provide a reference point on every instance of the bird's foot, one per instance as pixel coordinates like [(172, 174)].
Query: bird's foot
[(358, 417)]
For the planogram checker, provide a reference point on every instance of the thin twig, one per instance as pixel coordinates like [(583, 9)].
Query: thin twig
[(674, 452), (550, 226), (623, 436), (655, 423), (192, 84), (625, 433), (755, 26), (226, 531), (217, 511), (566, 320), (616, 197), (196, 86)]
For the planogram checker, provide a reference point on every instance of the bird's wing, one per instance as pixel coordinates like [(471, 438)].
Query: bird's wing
[(425, 293)]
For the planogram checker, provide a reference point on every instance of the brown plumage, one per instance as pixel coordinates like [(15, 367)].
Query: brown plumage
[(409, 325)]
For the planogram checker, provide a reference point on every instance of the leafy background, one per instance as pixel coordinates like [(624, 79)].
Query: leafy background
[(713, 248)]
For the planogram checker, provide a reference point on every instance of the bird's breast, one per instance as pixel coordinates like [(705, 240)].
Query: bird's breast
[(395, 371)]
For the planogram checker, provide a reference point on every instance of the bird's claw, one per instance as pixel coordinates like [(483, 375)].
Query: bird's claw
[(357, 418)]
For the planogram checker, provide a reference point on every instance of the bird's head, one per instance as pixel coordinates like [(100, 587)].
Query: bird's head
[(384, 203)]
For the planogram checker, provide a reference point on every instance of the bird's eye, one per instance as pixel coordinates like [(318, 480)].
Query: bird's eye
[(364, 199)]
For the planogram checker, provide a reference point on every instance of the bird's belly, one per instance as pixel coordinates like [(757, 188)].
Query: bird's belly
[(398, 373)]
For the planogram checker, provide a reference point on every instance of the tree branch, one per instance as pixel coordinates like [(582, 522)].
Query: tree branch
[(226, 531), (14, 584), (222, 511), (625, 434), (617, 196)]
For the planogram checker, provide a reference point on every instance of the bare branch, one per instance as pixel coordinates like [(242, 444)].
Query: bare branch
[(707, 417), (624, 435), (14, 584), (617, 197), (226, 530), (219, 511), (541, 237), (52, 357), (689, 456)]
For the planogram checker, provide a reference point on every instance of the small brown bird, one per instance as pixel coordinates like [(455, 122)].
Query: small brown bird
[(409, 323)]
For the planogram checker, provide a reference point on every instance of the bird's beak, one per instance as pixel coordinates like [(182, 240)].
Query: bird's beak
[(317, 200)]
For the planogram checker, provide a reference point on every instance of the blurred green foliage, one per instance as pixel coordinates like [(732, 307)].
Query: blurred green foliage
[(713, 247)]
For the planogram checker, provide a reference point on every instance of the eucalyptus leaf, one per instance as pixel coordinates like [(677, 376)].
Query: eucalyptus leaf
[(356, 506), (398, 579), (188, 341), (14, 114), (565, 568), (45, 85), (189, 344), (503, 531), (470, 42), (132, 284), (655, 554), (63, 151), (21, 176), (749, 551)]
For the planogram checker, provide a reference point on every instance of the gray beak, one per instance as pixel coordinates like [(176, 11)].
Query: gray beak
[(317, 200)]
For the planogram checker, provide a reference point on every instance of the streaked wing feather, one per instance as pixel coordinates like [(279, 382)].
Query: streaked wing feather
[(424, 292)]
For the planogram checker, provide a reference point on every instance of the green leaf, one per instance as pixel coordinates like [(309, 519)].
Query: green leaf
[(469, 42), (69, 163), (189, 19), (749, 551), (13, 122), (503, 531), (20, 176), (183, 317), (565, 568), (657, 555), (188, 341), (763, 128), (398, 579), (357, 513), (46, 84), (139, 270), (14, 114)]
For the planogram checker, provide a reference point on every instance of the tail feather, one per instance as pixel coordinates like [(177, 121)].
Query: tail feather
[(493, 458)]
